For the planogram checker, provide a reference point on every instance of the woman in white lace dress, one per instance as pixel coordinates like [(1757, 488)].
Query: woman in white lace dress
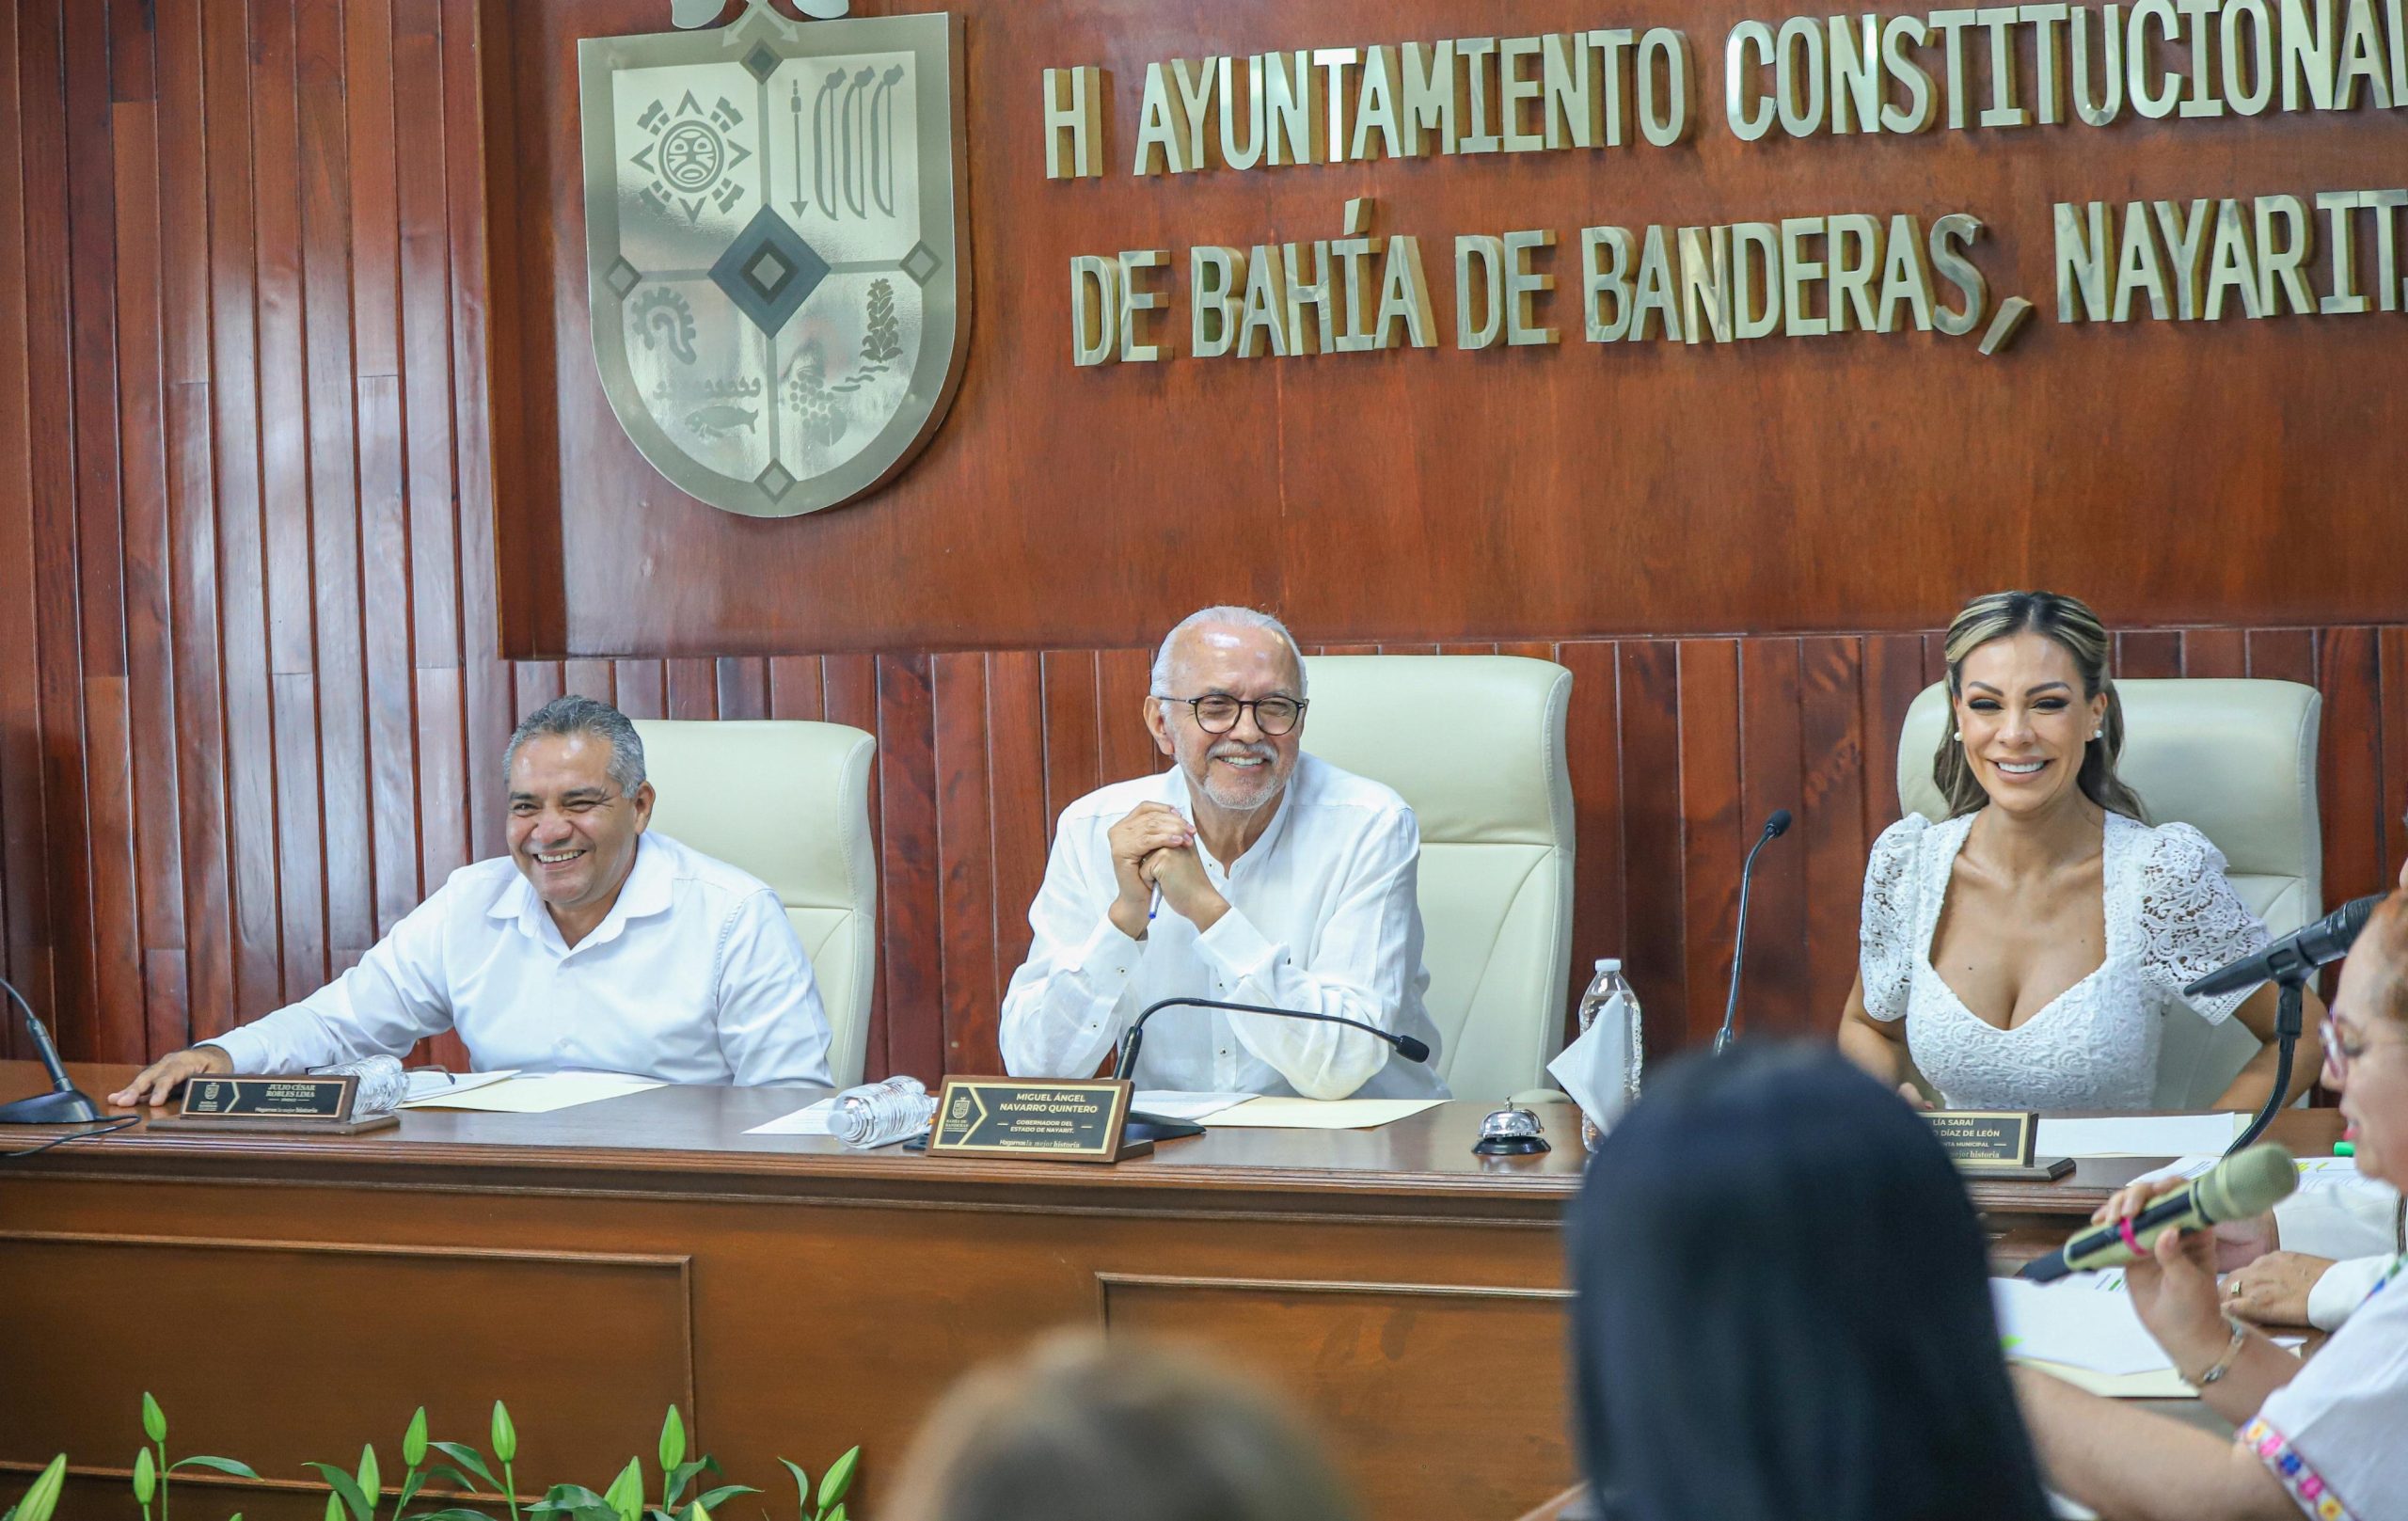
[(2024, 952)]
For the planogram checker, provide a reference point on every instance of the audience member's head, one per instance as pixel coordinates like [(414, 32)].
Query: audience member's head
[(1784, 1309), (1081, 1429)]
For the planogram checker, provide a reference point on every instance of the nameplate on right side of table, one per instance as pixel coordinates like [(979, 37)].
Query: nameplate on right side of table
[(1058, 1120), (1995, 1143)]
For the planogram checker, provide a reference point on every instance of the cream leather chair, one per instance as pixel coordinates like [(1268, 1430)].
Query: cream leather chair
[(788, 803), (2234, 759), (1475, 744)]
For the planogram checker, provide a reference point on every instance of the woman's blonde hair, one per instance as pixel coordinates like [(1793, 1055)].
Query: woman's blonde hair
[(2074, 626), (1081, 1429)]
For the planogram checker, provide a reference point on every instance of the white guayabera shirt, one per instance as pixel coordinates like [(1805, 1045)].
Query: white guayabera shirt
[(1323, 917), (693, 976)]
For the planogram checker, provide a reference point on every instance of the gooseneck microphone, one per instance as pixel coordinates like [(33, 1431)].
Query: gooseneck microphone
[(2237, 1188), (2296, 954), (1775, 827), (1405, 1045), (1145, 1127), (64, 1104)]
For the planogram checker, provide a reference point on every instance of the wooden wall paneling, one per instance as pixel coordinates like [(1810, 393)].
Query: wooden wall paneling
[(1831, 842), (693, 689), (150, 613), (1655, 906), (743, 686), (534, 683), (1124, 746), (1592, 756), (2149, 655), (641, 687), (390, 677), (965, 861), (1019, 738), (52, 457), (2349, 792), (24, 891), (1775, 998), (1893, 665), (912, 954), (2391, 656), (795, 689), (235, 422), (1073, 731), (1712, 837), (2216, 651), (596, 679), (91, 247), (2283, 655), (848, 694)]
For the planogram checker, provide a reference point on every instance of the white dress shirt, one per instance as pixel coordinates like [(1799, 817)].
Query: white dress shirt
[(693, 976), (2358, 1224), (1323, 917)]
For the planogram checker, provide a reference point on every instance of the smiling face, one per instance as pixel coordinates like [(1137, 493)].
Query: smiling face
[(572, 832), (1243, 770), (2024, 722), (2369, 1044)]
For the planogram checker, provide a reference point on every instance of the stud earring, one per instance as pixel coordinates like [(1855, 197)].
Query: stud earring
[(1958, 735)]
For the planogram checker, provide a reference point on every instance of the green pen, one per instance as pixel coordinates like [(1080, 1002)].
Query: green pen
[(2345, 1149)]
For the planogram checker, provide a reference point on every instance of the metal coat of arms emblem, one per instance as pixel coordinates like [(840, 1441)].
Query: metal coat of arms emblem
[(776, 259)]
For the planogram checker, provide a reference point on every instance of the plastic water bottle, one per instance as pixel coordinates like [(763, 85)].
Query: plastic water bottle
[(881, 1114), (382, 1085), (1607, 985)]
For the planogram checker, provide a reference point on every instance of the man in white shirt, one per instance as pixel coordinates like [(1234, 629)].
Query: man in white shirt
[(1249, 872), (593, 946)]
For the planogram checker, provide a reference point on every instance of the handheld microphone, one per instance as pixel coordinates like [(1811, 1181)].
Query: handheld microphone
[(2294, 955), (1405, 1045), (1775, 827), (2237, 1188), (64, 1104)]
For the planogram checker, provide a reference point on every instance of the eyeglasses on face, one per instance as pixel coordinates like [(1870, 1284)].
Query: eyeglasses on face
[(1217, 713)]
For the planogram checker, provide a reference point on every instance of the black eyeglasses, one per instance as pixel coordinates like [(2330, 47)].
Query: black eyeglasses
[(1216, 713)]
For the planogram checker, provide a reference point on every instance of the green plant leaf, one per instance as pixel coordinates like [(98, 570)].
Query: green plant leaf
[(711, 1500), (801, 1482), (838, 1514), (347, 1490), (625, 1494), (240, 1470), (679, 1477), (698, 1511), (146, 1478), (571, 1498), (154, 1421), (447, 1474), (673, 1440), (505, 1435), (470, 1459), (411, 1483), (414, 1439), (452, 1514), (838, 1479)]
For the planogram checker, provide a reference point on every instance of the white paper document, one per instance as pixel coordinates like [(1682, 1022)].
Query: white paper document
[(1170, 1103), (2138, 1135), (540, 1093), (811, 1120), (2076, 1323), (427, 1083), (1320, 1114)]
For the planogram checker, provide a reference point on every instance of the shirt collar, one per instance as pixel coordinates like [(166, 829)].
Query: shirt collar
[(1179, 797), (646, 891)]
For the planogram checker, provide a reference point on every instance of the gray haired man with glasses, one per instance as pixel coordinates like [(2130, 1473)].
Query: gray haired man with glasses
[(1248, 872)]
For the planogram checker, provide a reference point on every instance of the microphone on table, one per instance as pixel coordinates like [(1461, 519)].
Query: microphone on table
[(1155, 1128), (1775, 827), (2296, 954), (64, 1104), (2239, 1187)]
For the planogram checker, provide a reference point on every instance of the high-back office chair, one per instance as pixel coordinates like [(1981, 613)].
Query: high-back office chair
[(1495, 804), (2235, 760), (789, 803)]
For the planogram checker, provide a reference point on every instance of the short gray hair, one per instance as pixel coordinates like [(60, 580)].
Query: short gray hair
[(1236, 618), (572, 715)]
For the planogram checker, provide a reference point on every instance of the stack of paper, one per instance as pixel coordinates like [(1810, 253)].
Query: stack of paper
[(2138, 1135), (2084, 1330), (811, 1120), (1322, 1113), (537, 1093)]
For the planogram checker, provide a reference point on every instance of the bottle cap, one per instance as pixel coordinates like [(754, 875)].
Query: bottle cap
[(1608, 963)]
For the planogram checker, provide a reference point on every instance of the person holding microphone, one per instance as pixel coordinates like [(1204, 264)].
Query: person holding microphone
[(2327, 1438)]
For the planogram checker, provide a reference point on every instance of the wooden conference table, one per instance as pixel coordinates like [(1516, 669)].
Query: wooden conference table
[(288, 1299)]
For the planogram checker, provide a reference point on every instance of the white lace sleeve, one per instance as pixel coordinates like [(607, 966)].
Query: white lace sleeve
[(2192, 922), (1886, 932)]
